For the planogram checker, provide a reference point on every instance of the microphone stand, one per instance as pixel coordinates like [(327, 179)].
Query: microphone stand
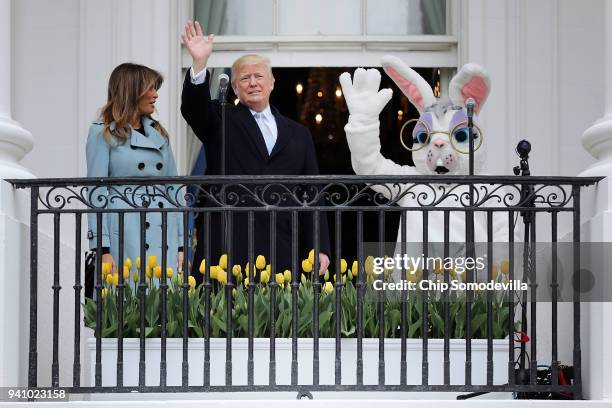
[(522, 375), (527, 200), (224, 226), (470, 246)]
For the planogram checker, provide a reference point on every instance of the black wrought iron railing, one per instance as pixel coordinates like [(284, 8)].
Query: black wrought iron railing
[(302, 303)]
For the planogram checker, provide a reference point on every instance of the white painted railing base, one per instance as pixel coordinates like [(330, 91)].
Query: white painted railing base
[(305, 359)]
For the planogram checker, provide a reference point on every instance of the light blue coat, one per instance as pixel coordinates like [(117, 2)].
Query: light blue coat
[(140, 156)]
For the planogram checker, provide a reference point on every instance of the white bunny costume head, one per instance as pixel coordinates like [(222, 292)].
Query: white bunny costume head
[(440, 136)]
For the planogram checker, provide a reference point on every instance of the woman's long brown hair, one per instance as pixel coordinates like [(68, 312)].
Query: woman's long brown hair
[(127, 84)]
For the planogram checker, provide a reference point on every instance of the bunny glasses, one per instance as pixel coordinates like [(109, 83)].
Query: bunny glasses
[(458, 136)]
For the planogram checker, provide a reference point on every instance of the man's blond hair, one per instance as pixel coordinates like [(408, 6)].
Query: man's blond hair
[(250, 59)]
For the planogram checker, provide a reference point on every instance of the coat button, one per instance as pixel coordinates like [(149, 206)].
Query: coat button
[(159, 166), (147, 246), (141, 166), (161, 205), (147, 225)]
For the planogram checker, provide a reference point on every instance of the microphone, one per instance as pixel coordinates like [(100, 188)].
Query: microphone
[(470, 107), (223, 81)]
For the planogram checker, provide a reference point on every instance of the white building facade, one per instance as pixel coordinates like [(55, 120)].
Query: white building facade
[(550, 63)]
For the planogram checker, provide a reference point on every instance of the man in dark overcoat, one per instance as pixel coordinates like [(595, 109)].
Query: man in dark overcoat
[(259, 141)]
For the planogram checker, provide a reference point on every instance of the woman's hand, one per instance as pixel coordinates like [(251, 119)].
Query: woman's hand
[(108, 258), (179, 264), (199, 46)]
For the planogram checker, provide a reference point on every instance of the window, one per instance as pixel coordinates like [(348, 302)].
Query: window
[(322, 17)]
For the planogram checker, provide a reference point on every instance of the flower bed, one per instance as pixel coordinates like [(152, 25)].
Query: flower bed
[(283, 310), (280, 286)]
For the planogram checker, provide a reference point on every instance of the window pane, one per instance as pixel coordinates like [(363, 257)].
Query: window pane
[(406, 17), (314, 17), (235, 17)]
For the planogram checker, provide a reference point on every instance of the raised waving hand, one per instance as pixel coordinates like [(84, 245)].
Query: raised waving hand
[(199, 46)]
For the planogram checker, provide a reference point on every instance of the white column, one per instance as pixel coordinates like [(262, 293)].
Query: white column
[(597, 328), (597, 140), (15, 141)]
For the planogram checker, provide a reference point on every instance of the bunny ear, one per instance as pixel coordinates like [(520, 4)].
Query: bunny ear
[(472, 81), (416, 89)]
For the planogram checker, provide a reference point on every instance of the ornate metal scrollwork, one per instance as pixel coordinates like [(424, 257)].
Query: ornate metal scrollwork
[(332, 192)]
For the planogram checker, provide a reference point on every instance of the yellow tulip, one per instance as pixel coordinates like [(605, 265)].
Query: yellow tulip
[(303, 279), (148, 271), (349, 275), (115, 279), (214, 271), (328, 287), (247, 269), (437, 267), (505, 267), (203, 266), (369, 265), (237, 270), (128, 263), (152, 261), (169, 272), (109, 278), (495, 272), (221, 276), (260, 262), (135, 276), (343, 266), (138, 263), (326, 276), (246, 281), (287, 275), (223, 261), (126, 272), (264, 277), (311, 256), (453, 273), (192, 282), (106, 269), (104, 293), (354, 268), (306, 266), (411, 276), (234, 293), (269, 269), (280, 279), (157, 271)]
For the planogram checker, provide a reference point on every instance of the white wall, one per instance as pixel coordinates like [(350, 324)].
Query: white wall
[(546, 65), (45, 79)]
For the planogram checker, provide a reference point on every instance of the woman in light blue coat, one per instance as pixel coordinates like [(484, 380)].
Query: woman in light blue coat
[(127, 142)]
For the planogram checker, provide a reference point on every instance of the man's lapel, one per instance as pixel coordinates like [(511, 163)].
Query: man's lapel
[(284, 133), (252, 128)]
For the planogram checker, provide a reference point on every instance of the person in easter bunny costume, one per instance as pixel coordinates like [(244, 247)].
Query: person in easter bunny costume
[(439, 146)]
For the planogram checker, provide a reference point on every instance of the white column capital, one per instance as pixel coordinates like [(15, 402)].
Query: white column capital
[(597, 139)]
